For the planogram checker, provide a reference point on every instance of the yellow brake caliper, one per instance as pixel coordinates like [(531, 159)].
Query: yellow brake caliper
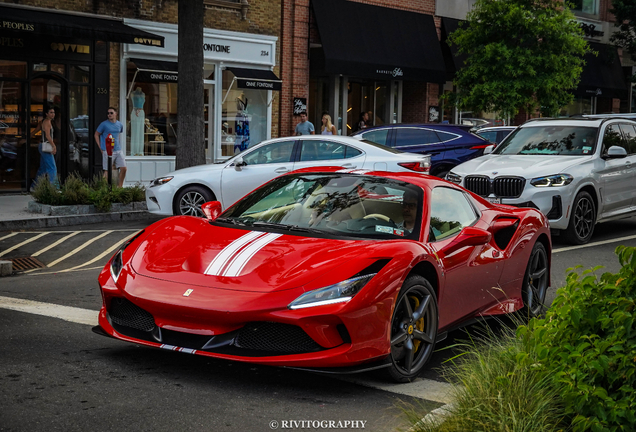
[(419, 324)]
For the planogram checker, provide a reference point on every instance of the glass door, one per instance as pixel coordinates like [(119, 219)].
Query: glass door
[(47, 92), (208, 120), (12, 136)]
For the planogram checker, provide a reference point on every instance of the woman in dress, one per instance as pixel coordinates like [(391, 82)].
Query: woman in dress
[(327, 127), (47, 159)]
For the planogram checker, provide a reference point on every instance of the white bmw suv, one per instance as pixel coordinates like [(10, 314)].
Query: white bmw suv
[(576, 171)]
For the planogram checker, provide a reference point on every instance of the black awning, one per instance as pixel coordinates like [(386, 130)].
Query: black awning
[(153, 71), (256, 79), (368, 41), (602, 75), (21, 21), (452, 58)]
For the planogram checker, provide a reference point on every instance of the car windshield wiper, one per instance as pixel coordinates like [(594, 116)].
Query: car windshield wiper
[(287, 227), (233, 221)]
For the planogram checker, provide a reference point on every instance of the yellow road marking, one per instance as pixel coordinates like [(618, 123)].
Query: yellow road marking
[(22, 244), (10, 235), (40, 252), (102, 255), (76, 250)]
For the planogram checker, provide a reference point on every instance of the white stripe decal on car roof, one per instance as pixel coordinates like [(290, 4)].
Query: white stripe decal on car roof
[(221, 260)]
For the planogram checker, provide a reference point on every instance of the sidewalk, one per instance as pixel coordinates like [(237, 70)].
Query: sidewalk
[(14, 215)]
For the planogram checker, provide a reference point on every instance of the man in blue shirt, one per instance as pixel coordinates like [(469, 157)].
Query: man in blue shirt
[(111, 127), (305, 127)]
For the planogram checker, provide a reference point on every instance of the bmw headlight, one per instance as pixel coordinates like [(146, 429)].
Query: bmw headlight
[(556, 180), (117, 263), (160, 181), (338, 293), (454, 178)]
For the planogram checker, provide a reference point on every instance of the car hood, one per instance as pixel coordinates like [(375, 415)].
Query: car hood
[(527, 166), (197, 168), (189, 250)]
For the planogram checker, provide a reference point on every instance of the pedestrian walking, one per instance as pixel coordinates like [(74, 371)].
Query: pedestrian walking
[(305, 127), (47, 147), (111, 128), (327, 127)]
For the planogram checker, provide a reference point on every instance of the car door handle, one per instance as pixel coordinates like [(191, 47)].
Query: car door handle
[(348, 165), (281, 170)]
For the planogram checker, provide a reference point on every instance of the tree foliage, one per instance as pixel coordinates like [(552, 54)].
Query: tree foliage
[(625, 36), (522, 54)]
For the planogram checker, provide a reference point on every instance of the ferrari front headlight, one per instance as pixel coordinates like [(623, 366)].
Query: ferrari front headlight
[(117, 263), (338, 293)]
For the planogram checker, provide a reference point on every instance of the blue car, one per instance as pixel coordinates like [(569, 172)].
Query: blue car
[(448, 145)]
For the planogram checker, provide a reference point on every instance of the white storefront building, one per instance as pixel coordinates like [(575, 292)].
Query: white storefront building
[(238, 90)]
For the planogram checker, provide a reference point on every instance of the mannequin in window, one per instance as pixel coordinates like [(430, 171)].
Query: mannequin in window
[(242, 125), (137, 120)]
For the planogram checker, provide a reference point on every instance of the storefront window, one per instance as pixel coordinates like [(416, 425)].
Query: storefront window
[(580, 105), (151, 115), (586, 6), (12, 140), (244, 117), (12, 69), (79, 139), (80, 74)]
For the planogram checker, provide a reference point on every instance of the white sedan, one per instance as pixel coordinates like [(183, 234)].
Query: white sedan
[(182, 192)]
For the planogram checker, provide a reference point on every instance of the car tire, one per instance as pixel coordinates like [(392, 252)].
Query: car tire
[(413, 329), (582, 219), (535, 282), (188, 201), (441, 173)]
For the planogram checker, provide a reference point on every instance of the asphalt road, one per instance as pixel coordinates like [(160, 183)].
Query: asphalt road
[(58, 375)]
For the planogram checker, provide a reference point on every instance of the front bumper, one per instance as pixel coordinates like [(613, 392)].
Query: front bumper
[(159, 200), (242, 326)]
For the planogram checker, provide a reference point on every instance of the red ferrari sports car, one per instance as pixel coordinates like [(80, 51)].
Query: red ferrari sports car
[(327, 269)]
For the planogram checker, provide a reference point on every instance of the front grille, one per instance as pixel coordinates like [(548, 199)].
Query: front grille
[(502, 187), (127, 314), (508, 187), (479, 185), (275, 337)]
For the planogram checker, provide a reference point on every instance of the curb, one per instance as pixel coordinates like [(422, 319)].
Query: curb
[(57, 221)]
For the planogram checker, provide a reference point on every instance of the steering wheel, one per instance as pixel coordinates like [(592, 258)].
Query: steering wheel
[(378, 216)]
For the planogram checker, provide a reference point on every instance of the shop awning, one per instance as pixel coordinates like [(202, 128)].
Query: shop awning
[(153, 71), (375, 42), (452, 58), (26, 21), (602, 75), (256, 79)]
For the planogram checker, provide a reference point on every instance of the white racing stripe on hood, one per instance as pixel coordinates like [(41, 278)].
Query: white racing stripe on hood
[(242, 258), (221, 260)]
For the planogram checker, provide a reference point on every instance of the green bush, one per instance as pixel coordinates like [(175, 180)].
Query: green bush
[(75, 191), (588, 343), (500, 388)]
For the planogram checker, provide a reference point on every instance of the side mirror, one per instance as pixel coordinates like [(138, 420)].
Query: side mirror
[(489, 149), (239, 163), (469, 236), (212, 210), (615, 152)]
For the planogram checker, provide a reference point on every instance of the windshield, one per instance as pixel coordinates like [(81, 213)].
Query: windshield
[(340, 205), (550, 140)]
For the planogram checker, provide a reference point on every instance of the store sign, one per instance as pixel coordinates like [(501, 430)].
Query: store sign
[(591, 29), (148, 42), (259, 85), (157, 77), (300, 105), (216, 48), (13, 25), (596, 92), (395, 73), (11, 42), (65, 47)]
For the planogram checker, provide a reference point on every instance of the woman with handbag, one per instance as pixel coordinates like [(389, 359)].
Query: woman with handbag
[(47, 147)]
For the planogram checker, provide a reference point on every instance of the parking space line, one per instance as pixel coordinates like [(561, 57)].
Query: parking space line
[(66, 313), (76, 250), (616, 240), (7, 236), (63, 239), (69, 231), (12, 248), (102, 255), (61, 271)]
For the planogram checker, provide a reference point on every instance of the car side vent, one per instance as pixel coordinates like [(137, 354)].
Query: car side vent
[(504, 229), (373, 268)]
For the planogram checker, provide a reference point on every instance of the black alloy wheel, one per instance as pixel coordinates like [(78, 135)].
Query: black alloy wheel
[(582, 219), (190, 200), (413, 329), (535, 281)]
